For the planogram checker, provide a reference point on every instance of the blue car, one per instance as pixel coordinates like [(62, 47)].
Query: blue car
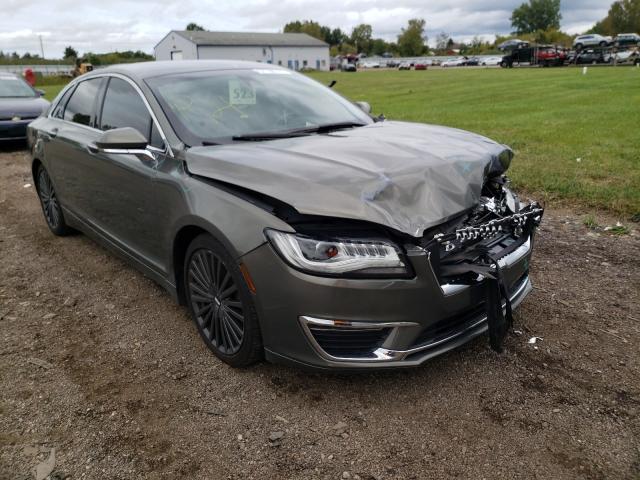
[(20, 104)]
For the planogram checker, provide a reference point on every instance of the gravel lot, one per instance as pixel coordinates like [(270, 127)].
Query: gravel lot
[(103, 377)]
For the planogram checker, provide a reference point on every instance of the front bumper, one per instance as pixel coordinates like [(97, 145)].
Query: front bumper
[(13, 130), (350, 324)]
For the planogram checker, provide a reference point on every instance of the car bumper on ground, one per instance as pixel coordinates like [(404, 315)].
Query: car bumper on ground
[(352, 324), (13, 129)]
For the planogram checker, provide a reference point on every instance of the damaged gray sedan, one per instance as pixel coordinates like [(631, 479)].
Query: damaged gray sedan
[(291, 222)]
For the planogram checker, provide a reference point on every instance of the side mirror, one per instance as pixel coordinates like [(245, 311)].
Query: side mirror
[(364, 106), (42, 93), (125, 138)]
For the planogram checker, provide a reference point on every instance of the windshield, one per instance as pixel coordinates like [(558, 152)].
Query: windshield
[(11, 86), (216, 106)]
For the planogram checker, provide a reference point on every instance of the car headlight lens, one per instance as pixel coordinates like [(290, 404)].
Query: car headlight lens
[(339, 257)]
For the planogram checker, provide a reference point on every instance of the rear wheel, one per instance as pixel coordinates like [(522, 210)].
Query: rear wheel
[(220, 303), (603, 44), (50, 204)]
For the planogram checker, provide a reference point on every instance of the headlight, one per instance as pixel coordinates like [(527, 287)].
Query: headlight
[(339, 257)]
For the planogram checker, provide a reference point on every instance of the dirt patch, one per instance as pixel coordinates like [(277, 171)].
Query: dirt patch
[(97, 363)]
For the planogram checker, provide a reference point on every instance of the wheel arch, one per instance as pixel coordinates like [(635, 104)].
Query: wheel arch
[(181, 241), (36, 163)]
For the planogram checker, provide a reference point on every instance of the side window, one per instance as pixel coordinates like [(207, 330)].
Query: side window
[(58, 112), (123, 107), (81, 106)]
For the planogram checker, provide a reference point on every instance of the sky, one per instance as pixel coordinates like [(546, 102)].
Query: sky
[(108, 25)]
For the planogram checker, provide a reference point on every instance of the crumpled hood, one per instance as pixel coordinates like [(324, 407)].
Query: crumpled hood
[(406, 176)]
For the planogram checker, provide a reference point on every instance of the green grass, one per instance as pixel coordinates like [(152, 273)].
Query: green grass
[(51, 90), (576, 137)]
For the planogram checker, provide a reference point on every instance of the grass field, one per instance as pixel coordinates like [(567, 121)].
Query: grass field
[(576, 137)]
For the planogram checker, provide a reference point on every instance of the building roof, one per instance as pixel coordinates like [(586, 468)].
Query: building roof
[(251, 38)]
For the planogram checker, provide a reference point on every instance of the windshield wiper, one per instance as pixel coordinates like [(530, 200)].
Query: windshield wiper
[(256, 137), (298, 132)]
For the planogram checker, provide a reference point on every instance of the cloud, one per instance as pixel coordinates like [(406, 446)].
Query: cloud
[(125, 25)]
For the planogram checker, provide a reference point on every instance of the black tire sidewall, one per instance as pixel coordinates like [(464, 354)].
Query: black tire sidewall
[(62, 229), (251, 348)]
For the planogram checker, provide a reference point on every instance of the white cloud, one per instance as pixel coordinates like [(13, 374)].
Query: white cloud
[(123, 25)]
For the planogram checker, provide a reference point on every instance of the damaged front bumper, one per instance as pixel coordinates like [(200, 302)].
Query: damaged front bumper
[(349, 324)]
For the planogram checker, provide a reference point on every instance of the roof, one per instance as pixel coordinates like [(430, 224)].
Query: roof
[(251, 38), (142, 70)]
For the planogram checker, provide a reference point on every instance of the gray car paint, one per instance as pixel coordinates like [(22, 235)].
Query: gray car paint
[(140, 209), (406, 176)]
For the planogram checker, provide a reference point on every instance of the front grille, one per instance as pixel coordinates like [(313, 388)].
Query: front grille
[(450, 326), (347, 342), (461, 321)]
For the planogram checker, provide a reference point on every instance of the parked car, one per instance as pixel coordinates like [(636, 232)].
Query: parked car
[(591, 56), (627, 56), (472, 62), (591, 40), (20, 103), (340, 251), (404, 66), (453, 62), (420, 66), (626, 40), (513, 43), (550, 55), (349, 67), (491, 61), (392, 63), (370, 64)]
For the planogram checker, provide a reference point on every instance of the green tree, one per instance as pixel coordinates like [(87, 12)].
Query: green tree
[(70, 52), (379, 46), (361, 37), (442, 41), (623, 17), (308, 26), (411, 42), (536, 15), (194, 27)]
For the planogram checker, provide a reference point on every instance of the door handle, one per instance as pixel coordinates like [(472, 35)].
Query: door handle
[(54, 132)]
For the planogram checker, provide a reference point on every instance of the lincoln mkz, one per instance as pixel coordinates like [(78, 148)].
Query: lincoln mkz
[(292, 223)]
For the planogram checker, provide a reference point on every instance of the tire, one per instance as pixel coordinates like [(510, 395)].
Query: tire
[(51, 208), (595, 62), (578, 46), (220, 303), (603, 44)]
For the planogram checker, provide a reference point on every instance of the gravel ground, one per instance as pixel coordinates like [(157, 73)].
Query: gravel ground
[(103, 377)]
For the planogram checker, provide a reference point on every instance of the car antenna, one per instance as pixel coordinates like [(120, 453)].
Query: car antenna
[(333, 82)]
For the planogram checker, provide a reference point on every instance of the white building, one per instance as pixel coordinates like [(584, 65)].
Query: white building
[(293, 50)]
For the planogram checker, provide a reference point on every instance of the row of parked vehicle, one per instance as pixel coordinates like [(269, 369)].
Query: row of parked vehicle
[(552, 55)]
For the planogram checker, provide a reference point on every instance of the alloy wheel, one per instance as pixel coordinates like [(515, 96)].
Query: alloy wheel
[(50, 204), (215, 300)]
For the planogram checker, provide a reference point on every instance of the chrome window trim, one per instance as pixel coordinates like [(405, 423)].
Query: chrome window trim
[(154, 118)]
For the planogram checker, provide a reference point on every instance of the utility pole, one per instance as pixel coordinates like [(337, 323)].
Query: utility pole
[(41, 47)]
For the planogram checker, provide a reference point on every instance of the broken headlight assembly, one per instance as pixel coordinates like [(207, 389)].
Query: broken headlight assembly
[(355, 258)]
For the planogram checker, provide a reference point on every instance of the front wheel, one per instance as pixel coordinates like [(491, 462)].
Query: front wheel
[(220, 303), (603, 44), (50, 204)]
